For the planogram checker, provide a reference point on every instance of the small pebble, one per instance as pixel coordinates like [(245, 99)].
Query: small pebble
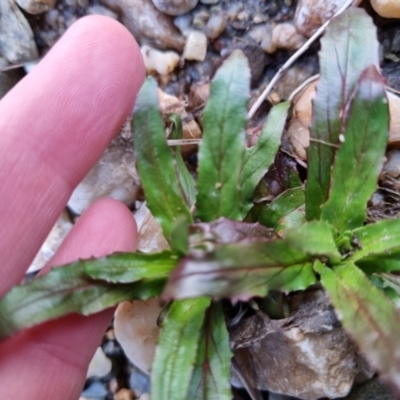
[(200, 19), (215, 25), (387, 8), (100, 365), (95, 390), (175, 7), (311, 14), (100, 10), (160, 62), (392, 165), (184, 23), (267, 44), (51, 17), (124, 394), (196, 46), (285, 36)]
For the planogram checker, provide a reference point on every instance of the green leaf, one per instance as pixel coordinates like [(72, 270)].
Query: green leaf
[(129, 267), (287, 202), (211, 375), (222, 147), (177, 348), (188, 185), (314, 238), (376, 241), (348, 47), (63, 291), (259, 158), (360, 157), (240, 271), (155, 162), (368, 316)]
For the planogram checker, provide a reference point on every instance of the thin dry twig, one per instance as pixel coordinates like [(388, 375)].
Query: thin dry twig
[(292, 59)]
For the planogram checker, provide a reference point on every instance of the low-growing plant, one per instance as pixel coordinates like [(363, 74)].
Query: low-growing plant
[(308, 234)]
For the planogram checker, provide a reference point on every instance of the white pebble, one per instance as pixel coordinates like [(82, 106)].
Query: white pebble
[(285, 36), (196, 46), (161, 62), (100, 364)]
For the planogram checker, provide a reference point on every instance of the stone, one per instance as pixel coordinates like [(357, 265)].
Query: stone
[(137, 331), (95, 390), (114, 175), (139, 381), (184, 23), (311, 14), (97, 9), (148, 24), (307, 355), (36, 6), (267, 44), (159, 62), (53, 241), (387, 8), (392, 164), (175, 7), (286, 37), (124, 394), (215, 25), (100, 365), (394, 128), (196, 46), (16, 37)]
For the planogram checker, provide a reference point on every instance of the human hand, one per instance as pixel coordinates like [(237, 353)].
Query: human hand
[(54, 125)]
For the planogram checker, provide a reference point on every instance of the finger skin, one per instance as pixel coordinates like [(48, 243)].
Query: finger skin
[(50, 361), (53, 127)]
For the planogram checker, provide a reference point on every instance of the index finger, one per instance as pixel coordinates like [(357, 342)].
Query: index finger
[(53, 127)]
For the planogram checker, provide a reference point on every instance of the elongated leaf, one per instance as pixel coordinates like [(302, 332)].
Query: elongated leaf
[(177, 348), (347, 48), (360, 157), (259, 158), (390, 288), (155, 162), (240, 271), (63, 291), (186, 180), (379, 240), (129, 267), (314, 238), (281, 206), (222, 147), (211, 375), (368, 316)]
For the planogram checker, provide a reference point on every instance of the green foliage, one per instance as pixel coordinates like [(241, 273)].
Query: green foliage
[(303, 236), (222, 145), (155, 163), (349, 46), (177, 349), (258, 159)]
